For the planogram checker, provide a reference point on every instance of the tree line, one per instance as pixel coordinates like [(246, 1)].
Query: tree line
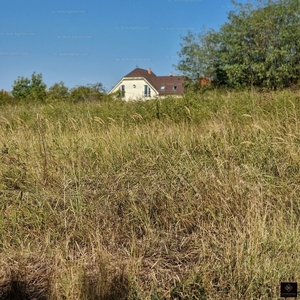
[(34, 89), (258, 46)]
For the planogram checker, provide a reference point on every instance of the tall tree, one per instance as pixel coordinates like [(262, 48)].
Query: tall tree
[(37, 87), (21, 88), (259, 45), (26, 89)]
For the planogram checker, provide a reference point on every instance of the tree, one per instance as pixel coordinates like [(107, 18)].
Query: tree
[(58, 91), (21, 88), (37, 87), (91, 92), (98, 87), (258, 46), (26, 89), (197, 55), (263, 44)]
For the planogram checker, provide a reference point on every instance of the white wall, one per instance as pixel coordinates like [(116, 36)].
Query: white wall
[(137, 92)]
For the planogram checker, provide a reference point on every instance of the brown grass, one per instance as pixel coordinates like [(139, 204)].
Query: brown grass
[(200, 203)]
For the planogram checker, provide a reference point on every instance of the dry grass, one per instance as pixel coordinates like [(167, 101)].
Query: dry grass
[(192, 199)]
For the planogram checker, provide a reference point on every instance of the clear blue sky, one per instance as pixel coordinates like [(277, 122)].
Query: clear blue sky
[(83, 42)]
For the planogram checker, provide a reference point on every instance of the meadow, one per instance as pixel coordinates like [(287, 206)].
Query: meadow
[(190, 198)]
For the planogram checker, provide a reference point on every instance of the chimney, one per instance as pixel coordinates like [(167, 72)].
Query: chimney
[(149, 70), (171, 74)]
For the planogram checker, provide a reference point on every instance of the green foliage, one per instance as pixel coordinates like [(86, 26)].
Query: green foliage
[(5, 97), (83, 93), (98, 87), (21, 88), (34, 89), (119, 94), (58, 91), (92, 92), (37, 87), (258, 46), (26, 89)]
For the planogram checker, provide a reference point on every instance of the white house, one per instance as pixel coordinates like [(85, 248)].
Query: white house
[(144, 84)]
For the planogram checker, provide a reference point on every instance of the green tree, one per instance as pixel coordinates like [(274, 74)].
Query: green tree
[(197, 54), (258, 46), (98, 86), (37, 87), (26, 89), (262, 44), (21, 88), (58, 91), (91, 92)]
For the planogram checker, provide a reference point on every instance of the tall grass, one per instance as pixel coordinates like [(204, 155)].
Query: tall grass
[(192, 198)]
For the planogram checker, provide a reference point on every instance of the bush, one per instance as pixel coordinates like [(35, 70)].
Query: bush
[(26, 89), (58, 91), (5, 97), (88, 93)]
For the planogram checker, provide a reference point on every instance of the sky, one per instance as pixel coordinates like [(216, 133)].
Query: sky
[(87, 42)]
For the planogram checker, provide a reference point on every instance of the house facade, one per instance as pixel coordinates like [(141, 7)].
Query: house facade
[(141, 84)]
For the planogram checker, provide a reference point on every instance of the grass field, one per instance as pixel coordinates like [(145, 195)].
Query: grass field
[(192, 198)]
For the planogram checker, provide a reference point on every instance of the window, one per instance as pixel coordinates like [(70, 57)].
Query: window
[(174, 87), (162, 87), (134, 86), (147, 91), (122, 90)]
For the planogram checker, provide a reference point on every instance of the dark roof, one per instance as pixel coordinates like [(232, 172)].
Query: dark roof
[(138, 72), (173, 85)]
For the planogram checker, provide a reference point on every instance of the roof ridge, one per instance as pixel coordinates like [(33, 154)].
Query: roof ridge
[(163, 84)]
